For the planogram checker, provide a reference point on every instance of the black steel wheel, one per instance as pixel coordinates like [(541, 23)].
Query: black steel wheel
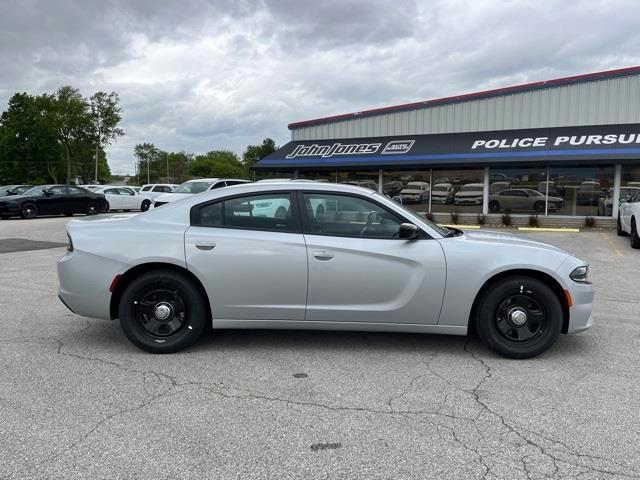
[(29, 211), (494, 206), (635, 239), (145, 205), (518, 317), (93, 208), (163, 311)]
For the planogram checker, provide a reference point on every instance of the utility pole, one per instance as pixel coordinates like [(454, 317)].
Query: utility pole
[(167, 155), (96, 177), (148, 181)]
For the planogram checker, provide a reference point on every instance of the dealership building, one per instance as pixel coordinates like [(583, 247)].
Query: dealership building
[(568, 147)]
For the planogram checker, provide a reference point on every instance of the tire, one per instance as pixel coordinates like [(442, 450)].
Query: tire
[(93, 208), (494, 206), (29, 211), (619, 231), (68, 214), (495, 325), (168, 288), (635, 239), (538, 207), (145, 205)]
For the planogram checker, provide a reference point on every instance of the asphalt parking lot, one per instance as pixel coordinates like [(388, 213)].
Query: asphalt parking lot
[(77, 400)]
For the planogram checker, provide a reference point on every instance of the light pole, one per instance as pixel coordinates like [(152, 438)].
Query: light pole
[(148, 181), (96, 176), (167, 155)]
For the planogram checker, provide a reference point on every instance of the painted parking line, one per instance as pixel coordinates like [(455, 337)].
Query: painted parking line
[(612, 245), (548, 229)]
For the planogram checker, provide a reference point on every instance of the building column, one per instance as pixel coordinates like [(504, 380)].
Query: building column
[(295, 174), (617, 180), (380, 180), (485, 192)]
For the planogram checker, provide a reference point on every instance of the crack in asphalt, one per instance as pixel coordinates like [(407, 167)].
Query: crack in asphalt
[(429, 416)]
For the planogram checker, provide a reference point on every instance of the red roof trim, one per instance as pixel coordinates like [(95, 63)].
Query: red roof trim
[(621, 72)]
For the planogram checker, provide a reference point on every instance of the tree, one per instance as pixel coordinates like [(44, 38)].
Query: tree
[(105, 116), (218, 164), (149, 158), (254, 153), (73, 122)]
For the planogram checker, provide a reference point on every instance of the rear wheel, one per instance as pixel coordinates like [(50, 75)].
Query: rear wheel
[(145, 205), (519, 317), (619, 231), (494, 206), (162, 312), (635, 239), (538, 207), (29, 211), (93, 208), (68, 214)]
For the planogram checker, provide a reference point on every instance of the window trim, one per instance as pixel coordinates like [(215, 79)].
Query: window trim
[(306, 225), (295, 216)]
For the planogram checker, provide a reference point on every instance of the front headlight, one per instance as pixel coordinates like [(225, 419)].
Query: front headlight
[(579, 275)]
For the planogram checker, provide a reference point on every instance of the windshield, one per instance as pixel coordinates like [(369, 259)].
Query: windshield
[(411, 214), (471, 188), (414, 185), (439, 188), (34, 192), (192, 187)]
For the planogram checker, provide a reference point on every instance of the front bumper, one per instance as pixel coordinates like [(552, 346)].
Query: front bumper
[(9, 209), (468, 201)]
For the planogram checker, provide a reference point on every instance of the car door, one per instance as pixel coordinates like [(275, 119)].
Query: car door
[(626, 211), (254, 267), (54, 202), (361, 272), (128, 198), (78, 199)]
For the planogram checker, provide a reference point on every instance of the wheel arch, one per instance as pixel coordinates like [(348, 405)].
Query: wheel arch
[(537, 274), (134, 272)]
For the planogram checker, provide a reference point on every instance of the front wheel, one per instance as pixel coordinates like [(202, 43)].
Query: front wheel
[(29, 211), (162, 312), (145, 205), (92, 208), (635, 239), (494, 206), (538, 207), (519, 317)]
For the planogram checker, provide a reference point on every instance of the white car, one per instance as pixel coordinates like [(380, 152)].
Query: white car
[(416, 192), (154, 190), (605, 204), (124, 198), (199, 185), (469, 194), (442, 193), (629, 219), (367, 264)]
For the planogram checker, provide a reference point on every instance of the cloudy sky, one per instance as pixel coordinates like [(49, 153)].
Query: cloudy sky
[(198, 75)]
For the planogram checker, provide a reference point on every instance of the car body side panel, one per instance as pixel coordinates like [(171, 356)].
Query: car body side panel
[(474, 258)]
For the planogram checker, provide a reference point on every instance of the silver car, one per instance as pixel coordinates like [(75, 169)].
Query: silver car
[(366, 263)]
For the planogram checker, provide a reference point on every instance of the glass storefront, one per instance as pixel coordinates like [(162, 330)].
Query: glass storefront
[(579, 191), (323, 176), (412, 186), (367, 179), (629, 182), (518, 190), (459, 191)]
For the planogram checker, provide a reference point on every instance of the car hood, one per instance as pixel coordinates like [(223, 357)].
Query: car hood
[(436, 193), (410, 191), (506, 239), (473, 193)]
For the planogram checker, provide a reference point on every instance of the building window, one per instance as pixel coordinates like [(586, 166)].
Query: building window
[(629, 185), (412, 186), (457, 191), (518, 190), (360, 179), (326, 176), (580, 191)]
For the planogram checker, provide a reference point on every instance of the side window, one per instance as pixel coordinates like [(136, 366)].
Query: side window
[(147, 188), (166, 189), (76, 191), (217, 185), (158, 188), (125, 191), (112, 191), (272, 212), (60, 190), (234, 182), (343, 215)]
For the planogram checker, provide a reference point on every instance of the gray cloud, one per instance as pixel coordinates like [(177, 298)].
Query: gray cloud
[(198, 75)]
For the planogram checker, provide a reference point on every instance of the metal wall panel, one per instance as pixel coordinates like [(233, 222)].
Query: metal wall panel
[(614, 100)]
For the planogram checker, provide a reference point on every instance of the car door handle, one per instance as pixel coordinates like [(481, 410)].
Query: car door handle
[(323, 255), (205, 245)]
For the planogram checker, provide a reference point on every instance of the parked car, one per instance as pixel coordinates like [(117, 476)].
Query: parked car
[(124, 198), (629, 219), (196, 186), (415, 192), (390, 271), (442, 193), (605, 204), (469, 194), (370, 184), (524, 200), (52, 200), (496, 187), (9, 190), (393, 187), (154, 190)]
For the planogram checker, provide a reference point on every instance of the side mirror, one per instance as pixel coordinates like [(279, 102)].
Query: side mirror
[(408, 231), (47, 193)]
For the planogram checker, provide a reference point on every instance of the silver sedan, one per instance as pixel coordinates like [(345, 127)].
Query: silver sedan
[(260, 256)]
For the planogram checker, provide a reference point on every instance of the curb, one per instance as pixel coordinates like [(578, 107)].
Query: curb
[(548, 229)]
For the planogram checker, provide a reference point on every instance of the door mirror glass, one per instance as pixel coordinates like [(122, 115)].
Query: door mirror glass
[(408, 231)]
